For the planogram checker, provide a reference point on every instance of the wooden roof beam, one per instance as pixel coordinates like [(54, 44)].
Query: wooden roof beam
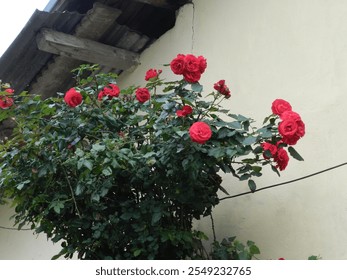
[(160, 3), (85, 50)]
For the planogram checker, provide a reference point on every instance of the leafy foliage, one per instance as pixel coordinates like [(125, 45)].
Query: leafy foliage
[(122, 179)]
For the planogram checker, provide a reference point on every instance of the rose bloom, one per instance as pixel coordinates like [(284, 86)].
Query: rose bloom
[(142, 95), (73, 98), (269, 147), (9, 90), (191, 63), (192, 77), (292, 128), (200, 132), (186, 110), (202, 64), (152, 73), (5, 102), (222, 88), (177, 65), (281, 158), (280, 106), (111, 91)]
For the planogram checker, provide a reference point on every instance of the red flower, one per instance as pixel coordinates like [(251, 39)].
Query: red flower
[(280, 106), (177, 64), (5, 102), (9, 90), (222, 88), (190, 66), (281, 259), (202, 64), (152, 73), (73, 98), (191, 63), (292, 128), (200, 132), (142, 95), (269, 147), (111, 91), (192, 77), (281, 158), (186, 110)]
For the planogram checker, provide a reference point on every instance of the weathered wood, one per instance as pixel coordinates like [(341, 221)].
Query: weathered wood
[(85, 50), (97, 21), (162, 3)]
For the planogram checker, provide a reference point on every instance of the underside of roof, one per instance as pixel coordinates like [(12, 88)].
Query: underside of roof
[(111, 33)]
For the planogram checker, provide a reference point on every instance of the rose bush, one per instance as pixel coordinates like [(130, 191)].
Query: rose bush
[(123, 173)]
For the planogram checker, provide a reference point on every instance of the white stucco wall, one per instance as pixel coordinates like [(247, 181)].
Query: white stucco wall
[(290, 49), (268, 49), (22, 245)]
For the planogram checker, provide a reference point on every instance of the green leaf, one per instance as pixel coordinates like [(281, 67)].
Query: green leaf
[(295, 154), (107, 171), (156, 217), (274, 169), (197, 87), (249, 140), (252, 186), (88, 164), (216, 152), (137, 252), (98, 147), (254, 250)]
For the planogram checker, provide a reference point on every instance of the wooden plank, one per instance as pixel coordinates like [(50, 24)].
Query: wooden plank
[(85, 50), (164, 3)]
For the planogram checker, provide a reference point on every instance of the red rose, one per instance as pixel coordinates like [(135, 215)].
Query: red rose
[(73, 98), (142, 95), (192, 77), (5, 102), (222, 88), (9, 90), (152, 73), (111, 91), (186, 110), (177, 64), (280, 106), (269, 147), (281, 158), (191, 63), (202, 64), (292, 128), (200, 132)]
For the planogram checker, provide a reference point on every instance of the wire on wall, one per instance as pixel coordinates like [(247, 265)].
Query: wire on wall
[(285, 183)]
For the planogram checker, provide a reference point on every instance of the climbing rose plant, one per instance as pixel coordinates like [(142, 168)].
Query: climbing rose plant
[(122, 173)]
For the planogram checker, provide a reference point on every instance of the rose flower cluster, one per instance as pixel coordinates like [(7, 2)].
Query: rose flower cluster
[(5, 100), (291, 128), (190, 66)]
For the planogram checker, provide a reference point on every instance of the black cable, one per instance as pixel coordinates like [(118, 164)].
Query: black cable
[(8, 228), (284, 183)]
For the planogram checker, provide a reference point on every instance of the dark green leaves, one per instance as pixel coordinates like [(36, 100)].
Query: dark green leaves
[(294, 154), (252, 186)]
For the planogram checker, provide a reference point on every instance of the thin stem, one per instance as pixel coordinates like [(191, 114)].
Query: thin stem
[(72, 193), (213, 228)]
